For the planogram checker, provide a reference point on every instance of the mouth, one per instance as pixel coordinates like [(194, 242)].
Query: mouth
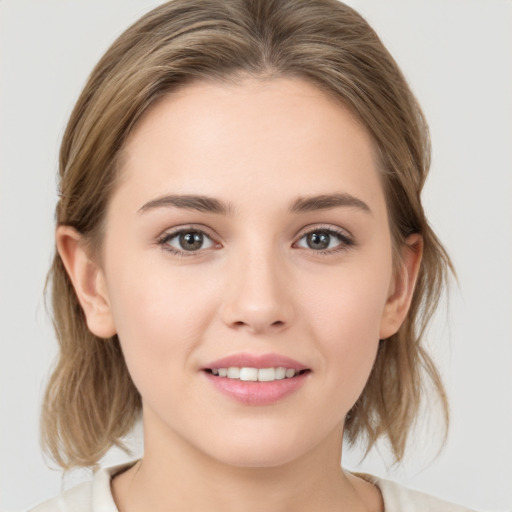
[(257, 379), (251, 374)]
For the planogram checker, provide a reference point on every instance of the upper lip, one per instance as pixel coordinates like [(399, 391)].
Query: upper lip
[(245, 360)]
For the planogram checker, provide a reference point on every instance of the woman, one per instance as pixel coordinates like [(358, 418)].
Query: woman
[(243, 259)]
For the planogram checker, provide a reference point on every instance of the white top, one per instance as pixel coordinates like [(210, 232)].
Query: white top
[(96, 496)]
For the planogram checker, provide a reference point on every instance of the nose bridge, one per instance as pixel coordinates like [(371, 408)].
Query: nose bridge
[(257, 297)]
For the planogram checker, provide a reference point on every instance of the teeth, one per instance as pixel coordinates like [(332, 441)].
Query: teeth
[(280, 373), (234, 373), (266, 374), (255, 374), (248, 374)]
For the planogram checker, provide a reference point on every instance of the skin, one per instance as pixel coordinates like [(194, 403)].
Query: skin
[(255, 286)]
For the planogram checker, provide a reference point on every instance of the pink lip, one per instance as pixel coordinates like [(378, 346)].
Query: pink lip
[(256, 393), (256, 361)]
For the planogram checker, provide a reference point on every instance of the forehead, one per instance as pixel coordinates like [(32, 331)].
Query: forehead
[(278, 137)]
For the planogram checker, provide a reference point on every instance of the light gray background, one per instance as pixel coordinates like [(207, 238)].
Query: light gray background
[(457, 55)]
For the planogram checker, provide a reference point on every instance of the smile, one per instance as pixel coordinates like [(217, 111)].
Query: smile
[(257, 379), (256, 374)]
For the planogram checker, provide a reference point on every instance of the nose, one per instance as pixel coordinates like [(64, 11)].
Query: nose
[(258, 298)]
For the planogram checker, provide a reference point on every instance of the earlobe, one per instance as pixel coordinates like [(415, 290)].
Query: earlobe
[(88, 281), (402, 289)]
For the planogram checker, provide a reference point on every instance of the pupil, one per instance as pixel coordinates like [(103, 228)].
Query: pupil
[(191, 241), (318, 240)]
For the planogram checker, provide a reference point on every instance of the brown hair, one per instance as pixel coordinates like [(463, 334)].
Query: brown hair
[(91, 401)]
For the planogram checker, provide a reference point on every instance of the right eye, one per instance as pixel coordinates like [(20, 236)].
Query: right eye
[(325, 240), (186, 240)]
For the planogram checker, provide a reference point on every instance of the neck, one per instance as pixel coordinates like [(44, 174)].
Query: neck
[(179, 477)]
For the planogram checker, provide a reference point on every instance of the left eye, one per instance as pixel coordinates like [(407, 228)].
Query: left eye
[(189, 240), (322, 239)]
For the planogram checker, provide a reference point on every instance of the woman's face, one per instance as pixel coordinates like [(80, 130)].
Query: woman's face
[(250, 224)]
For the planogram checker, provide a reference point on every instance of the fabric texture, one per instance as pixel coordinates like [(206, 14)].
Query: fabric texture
[(96, 496)]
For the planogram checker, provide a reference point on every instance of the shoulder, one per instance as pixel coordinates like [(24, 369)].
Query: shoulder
[(93, 496), (77, 499), (398, 498)]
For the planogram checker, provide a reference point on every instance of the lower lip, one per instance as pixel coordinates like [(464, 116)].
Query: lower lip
[(257, 393)]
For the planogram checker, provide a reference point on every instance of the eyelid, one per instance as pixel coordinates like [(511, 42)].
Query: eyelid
[(171, 233), (345, 237), (324, 227)]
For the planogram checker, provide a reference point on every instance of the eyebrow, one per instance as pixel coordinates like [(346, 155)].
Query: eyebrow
[(211, 205), (326, 202), (189, 202)]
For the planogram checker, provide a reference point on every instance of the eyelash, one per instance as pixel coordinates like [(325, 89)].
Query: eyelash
[(163, 241), (346, 241)]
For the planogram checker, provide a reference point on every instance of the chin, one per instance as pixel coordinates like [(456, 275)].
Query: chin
[(263, 449), (258, 457)]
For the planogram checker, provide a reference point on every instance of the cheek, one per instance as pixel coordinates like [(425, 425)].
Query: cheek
[(158, 313), (346, 321), (348, 302)]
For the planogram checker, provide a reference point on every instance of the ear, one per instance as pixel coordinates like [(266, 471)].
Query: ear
[(88, 281), (402, 287)]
